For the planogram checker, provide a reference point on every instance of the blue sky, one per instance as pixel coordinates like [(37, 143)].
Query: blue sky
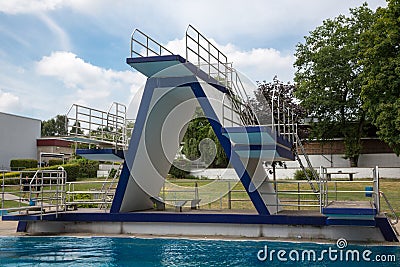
[(54, 53)]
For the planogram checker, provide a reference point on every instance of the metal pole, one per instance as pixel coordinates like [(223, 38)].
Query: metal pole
[(2, 193), (298, 195), (229, 196)]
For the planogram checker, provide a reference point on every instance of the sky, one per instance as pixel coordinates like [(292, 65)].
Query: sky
[(54, 53)]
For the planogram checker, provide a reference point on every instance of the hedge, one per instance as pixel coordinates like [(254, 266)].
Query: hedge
[(18, 164), (77, 168), (177, 173), (71, 169), (300, 175), (87, 168), (54, 162)]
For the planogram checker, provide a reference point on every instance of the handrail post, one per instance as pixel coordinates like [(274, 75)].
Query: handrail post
[(2, 192)]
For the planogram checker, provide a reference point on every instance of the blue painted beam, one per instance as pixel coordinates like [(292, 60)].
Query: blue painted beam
[(176, 218)]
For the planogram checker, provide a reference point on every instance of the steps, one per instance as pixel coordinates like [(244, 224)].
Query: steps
[(259, 142)]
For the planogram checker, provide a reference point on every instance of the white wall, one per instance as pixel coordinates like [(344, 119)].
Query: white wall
[(387, 160), (17, 138), (288, 173)]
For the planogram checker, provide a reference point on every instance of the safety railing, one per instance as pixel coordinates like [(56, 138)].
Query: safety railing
[(109, 186), (201, 52), (98, 195), (292, 194), (40, 192), (144, 46), (207, 57), (283, 117), (377, 197), (88, 124), (229, 115)]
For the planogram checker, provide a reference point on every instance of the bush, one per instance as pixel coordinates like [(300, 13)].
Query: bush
[(19, 164), (112, 173), (87, 168), (54, 162), (8, 176), (72, 171), (300, 175), (177, 173)]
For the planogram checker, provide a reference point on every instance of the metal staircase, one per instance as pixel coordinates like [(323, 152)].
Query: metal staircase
[(315, 177), (284, 122)]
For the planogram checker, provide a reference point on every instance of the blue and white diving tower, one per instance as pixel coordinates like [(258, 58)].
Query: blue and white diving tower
[(174, 88)]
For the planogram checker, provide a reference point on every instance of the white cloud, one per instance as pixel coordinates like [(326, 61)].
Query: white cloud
[(57, 31), (87, 83), (8, 101), (28, 6)]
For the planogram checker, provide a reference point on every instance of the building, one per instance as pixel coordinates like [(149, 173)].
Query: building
[(18, 137), (54, 145)]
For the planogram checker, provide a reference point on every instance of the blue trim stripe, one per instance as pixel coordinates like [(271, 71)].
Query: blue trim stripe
[(180, 60), (135, 60), (21, 228), (386, 229), (227, 146), (352, 222), (349, 211), (279, 139), (134, 144), (176, 218)]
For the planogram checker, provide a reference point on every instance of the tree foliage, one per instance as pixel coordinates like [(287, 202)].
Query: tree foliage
[(381, 73), (328, 79), (55, 126), (278, 93), (199, 131)]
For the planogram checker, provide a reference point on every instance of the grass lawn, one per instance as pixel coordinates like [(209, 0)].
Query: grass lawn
[(12, 204), (214, 194), (240, 200)]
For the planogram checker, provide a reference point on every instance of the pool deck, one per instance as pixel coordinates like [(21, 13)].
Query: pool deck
[(202, 223), (8, 228)]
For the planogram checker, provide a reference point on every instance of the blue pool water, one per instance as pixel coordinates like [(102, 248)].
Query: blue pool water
[(110, 251)]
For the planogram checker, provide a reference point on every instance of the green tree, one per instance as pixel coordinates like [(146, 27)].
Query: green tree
[(381, 73), (76, 128), (199, 129), (55, 126), (328, 79)]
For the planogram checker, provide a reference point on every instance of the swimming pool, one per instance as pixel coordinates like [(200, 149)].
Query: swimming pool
[(113, 251)]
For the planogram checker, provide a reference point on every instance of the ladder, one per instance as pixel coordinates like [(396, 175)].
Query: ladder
[(107, 187), (315, 176), (283, 121)]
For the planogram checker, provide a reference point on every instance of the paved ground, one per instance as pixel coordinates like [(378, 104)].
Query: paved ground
[(8, 228)]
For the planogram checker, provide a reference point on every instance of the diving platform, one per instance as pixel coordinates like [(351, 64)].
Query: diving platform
[(176, 86), (105, 154), (259, 142)]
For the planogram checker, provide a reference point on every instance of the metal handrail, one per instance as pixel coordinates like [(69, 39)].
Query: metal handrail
[(146, 46), (109, 187), (97, 196), (216, 63), (52, 188), (107, 126), (396, 218)]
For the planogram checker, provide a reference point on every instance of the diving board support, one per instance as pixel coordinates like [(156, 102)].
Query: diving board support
[(161, 97)]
